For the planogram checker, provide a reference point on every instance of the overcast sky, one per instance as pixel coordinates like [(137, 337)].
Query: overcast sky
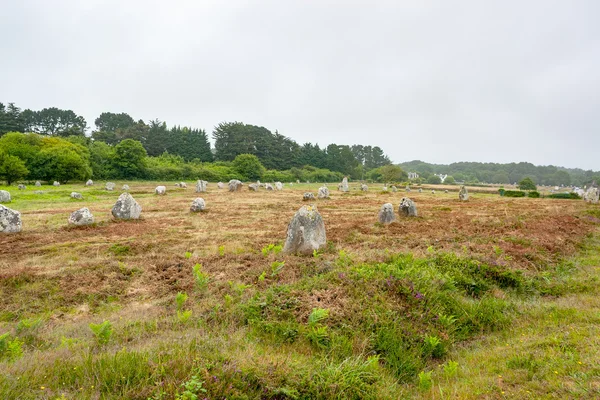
[(441, 81)]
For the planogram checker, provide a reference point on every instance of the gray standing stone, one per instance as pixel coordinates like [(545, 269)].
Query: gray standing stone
[(463, 194), (308, 196), (433, 192), (268, 186), (198, 205), (592, 195), (394, 189), (364, 187), (81, 217), (109, 186), (177, 184), (386, 214), (278, 185), (183, 185), (56, 183), (253, 187), (446, 191), (4, 196), (89, 183), (344, 185), (298, 181), (385, 188), (407, 207), (220, 185), (160, 190), (306, 232), (10, 220), (125, 187), (126, 207), (201, 186), (323, 192), (407, 188), (77, 196), (22, 187), (235, 185), (420, 190), (38, 184)]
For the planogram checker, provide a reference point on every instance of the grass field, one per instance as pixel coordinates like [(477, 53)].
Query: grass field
[(490, 298)]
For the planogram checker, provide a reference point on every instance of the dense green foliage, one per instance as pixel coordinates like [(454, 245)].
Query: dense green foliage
[(527, 184), (514, 193)]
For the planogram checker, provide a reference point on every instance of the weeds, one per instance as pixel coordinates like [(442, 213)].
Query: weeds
[(271, 249), (276, 267), (201, 278), (102, 332)]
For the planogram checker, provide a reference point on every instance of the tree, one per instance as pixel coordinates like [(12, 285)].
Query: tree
[(129, 160), (248, 166), (449, 180), (110, 122), (527, 184), (101, 160), (434, 180), (12, 168), (11, 119), (61, 163), (54, 122)]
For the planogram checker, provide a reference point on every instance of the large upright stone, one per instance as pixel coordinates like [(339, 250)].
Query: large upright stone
[(407, 207), (323, 192), (160, 190), (306, 232), (83, 216), (386, 214), (10, 220), (4, 196), (76, 196), (278, 186), (235, 185), (198, 205), (110, 186), (201, 186), (89, 183), (126, 207), (268, 186), (344, 185), (592, 195), (463, 194)]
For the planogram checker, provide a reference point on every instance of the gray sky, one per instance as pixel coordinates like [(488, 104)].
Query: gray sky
[(440, 81)]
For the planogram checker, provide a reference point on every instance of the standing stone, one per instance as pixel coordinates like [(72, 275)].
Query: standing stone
[(407, 188), (109, 186), (160, 190), (592, 195), (323, 192), (10, 220), (235, 185), (81, 217), (433, 192), (125, 188), (198, 205), (22, 187), (201, 186), (385, 189), (308, 196), (126, 207), (386, 214), (306, 232), (463, 194), (77, 196), (364, 187), (39, 192), (56, 183), (220, 185), (183, 185), (268, 186), (344, 185), (253, 187), (407, 207), (298, 181), (4, 196), (177, 184), (420, 190), (394, 189), (89, 183), (446, 191), (278, 185), (38, 184)]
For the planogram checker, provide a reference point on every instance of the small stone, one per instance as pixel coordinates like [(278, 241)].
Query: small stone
[(10, 220), (125, 188), (109, 186), (56, 183), (308, 196), (22, 187), (160, 190), (177, 184), (306, 232), (407, 188), (126, 207), (201, 186), (407, 207), (364, 187), (89, 183), (433, 192), (39, 192), (220, 185), (38, 184), (394, 189), (235, 185), (183, 185), (463, 194), (198, 205), (278, 186), (268, 186), (81, 217), (77, 196), (446, 191), (386, 214), (253, 187), (4, 196), (385, 189), (323, 192), (420, 190)]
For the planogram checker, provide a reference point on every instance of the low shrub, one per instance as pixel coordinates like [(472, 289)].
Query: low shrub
[(514, 193)]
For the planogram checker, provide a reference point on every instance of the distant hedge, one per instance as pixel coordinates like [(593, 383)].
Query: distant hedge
[(533, 194), (571, 196), (514, 193)]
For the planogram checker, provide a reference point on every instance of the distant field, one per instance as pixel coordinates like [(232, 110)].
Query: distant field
[(402, 301)]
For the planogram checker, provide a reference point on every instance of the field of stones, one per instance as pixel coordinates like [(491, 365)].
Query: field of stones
[(191, 305)]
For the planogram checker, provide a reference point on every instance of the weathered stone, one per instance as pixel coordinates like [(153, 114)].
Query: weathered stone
[(126, 207), (386, 214), (109, 186), (433, 192), (198, 205), (385, 189), (77, 196), (463, 194), (56, 183), (407, 207), (89, 183), (407, 188), (592, 195), (268, 186), (420, 190), (298, 181), (10, 220), (39, 192), (323, 192), (177, 184), (160, 190), (278, 186), (306, 232), (220, 185), (125, 187), (81, 217), (38, 183), (183, 185), (201, 186), (235, 185), (308, 196), (22, 187), (4, 196), (394, 189), (253, 187), (364, 187), (344, 185)]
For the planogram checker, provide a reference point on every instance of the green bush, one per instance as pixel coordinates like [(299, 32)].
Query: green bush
[(514, 193), (533, 194), (571, 196)]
